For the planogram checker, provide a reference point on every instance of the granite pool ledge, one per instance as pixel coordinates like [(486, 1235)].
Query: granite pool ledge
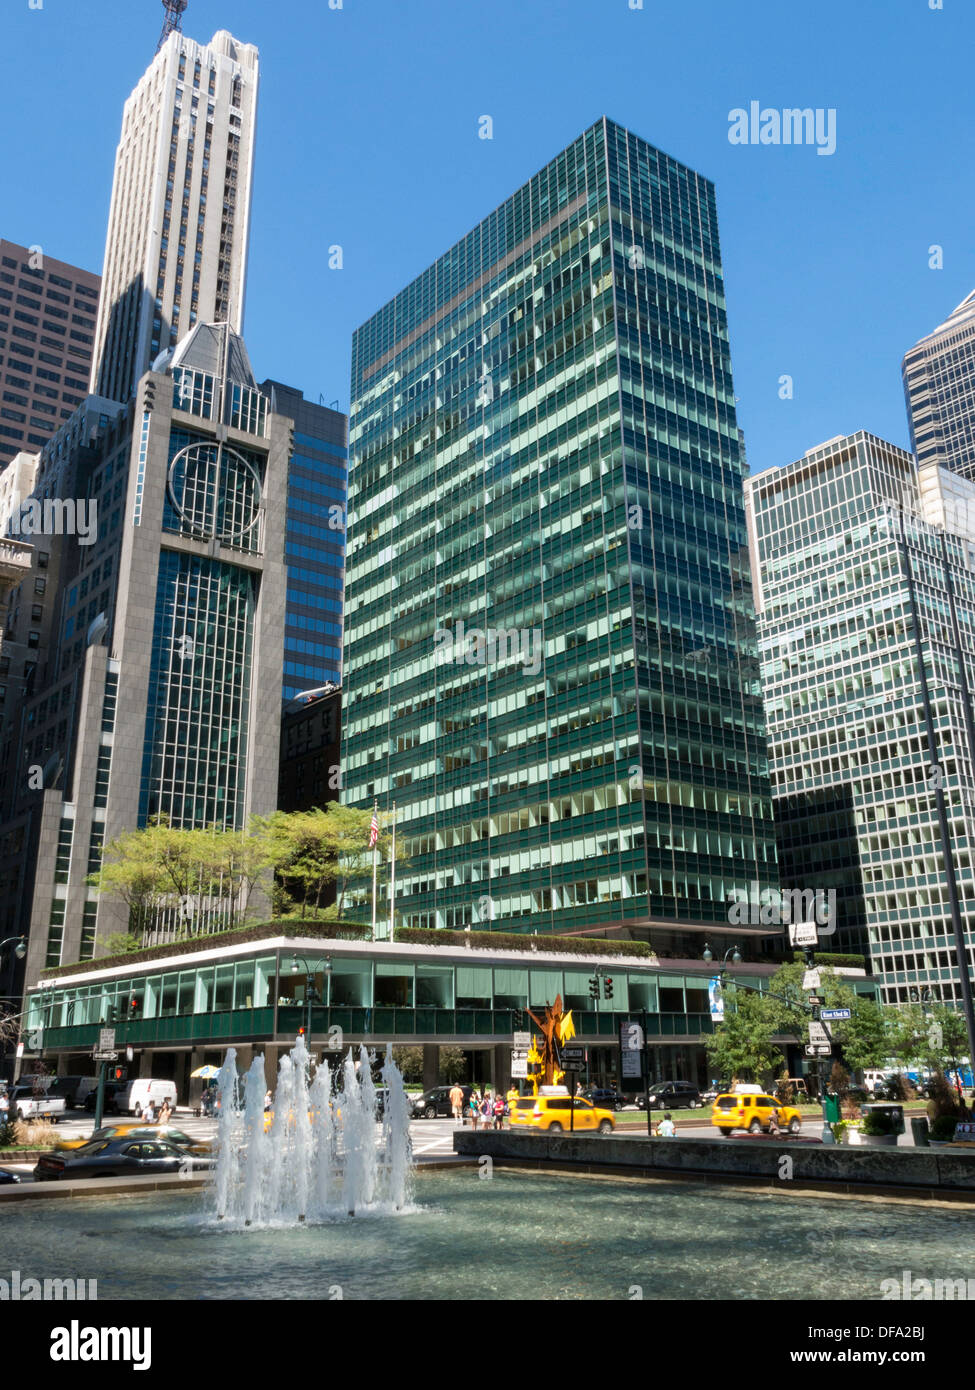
[(920, 1171)]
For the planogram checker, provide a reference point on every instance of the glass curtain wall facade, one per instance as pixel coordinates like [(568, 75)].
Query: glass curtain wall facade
[(550, 657), (939, 388), (849, 576)]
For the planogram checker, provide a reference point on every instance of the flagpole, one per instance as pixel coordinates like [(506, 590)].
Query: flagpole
[(392, 877)]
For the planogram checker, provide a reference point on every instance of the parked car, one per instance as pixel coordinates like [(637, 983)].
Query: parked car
[(746, 1110), (167, 1133), (558, 1113), (7, 1177), (28, 1104), (605, 1097), (435, 1103), (117, 1158), (671, 1095), (112, 1090)]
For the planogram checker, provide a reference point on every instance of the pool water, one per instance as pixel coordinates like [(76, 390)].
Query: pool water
[(515, 1235)]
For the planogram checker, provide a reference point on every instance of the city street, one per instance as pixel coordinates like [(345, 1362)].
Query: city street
[(433, 1139)]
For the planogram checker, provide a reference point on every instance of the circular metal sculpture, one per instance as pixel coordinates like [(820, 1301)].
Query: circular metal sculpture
[(216, 492)]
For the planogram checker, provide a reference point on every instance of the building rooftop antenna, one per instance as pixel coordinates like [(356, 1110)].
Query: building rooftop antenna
[(173, 23)]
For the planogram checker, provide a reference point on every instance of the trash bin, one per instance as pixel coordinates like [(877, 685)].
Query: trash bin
[(921, 1131), (831, 1109), (896, 1113)]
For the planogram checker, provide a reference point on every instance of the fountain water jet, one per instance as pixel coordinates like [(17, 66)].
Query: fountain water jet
[(320, 1159)]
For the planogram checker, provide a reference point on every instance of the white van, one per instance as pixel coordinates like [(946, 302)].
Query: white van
[(133, 1098)]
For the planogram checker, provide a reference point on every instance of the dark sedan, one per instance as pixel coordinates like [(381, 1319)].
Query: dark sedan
[(117, 1158), (7, 1177)]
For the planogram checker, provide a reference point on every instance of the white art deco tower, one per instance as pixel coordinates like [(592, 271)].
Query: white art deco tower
[(176, 251)]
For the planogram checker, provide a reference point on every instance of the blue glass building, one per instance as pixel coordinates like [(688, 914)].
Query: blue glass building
[(315, 540)]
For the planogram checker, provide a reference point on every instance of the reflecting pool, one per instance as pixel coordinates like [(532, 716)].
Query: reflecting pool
[(515, 1235)]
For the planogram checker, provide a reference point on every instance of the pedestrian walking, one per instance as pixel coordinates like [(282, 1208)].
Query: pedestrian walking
[(499, 1108), (487, 1109), (149, 1113), (472, 1106), (267, 1101), (666, 1129), (457, 1101), (4, 1108), (166, 1112)]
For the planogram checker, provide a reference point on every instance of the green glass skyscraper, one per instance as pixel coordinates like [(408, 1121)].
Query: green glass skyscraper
[(550, 654)]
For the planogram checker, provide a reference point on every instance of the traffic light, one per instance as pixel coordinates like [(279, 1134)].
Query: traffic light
[(594, 987), (301, 1031), (608, 987), (133, 1007)]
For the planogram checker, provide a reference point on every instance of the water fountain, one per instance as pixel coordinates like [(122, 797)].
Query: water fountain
[(320, 1160)]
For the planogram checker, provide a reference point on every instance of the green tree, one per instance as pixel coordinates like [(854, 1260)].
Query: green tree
[(742, 1046), (121, 943), (316, 850)]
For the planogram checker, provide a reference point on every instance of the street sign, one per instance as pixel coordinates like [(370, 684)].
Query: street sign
[(835, 1013), (573, 1057), (815, 1000), (818, 1050), (811, 979), (106, 1039), (803, 934), (818, 1032), (522, 1042), (519, 1067), (104, 1055)]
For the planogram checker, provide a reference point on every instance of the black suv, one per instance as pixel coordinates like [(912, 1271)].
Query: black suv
[(435, 1103), (671, 1095), (605, 1097), (112, 1089)]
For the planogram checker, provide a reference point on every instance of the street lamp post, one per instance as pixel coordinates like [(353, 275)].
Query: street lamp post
[(311, 993), (20, 951)]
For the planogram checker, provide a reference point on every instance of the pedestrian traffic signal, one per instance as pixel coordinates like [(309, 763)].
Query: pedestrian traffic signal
[(301, 1032), (608, 987), (119, 1074), (594, 987)]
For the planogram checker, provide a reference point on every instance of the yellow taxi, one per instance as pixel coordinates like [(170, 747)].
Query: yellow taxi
[(559, 1112), (140, 1131), (753, 1111)]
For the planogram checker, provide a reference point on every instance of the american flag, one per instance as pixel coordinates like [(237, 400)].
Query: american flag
[(374, 827)]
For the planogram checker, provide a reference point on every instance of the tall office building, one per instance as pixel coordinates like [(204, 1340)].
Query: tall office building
[(864, 575), (157, 686), (47, 334), (314, 540), (544, 450), (176, 251), (939, 386)]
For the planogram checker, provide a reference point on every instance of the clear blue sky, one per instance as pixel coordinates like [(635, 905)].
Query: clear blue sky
[(367, 137)]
